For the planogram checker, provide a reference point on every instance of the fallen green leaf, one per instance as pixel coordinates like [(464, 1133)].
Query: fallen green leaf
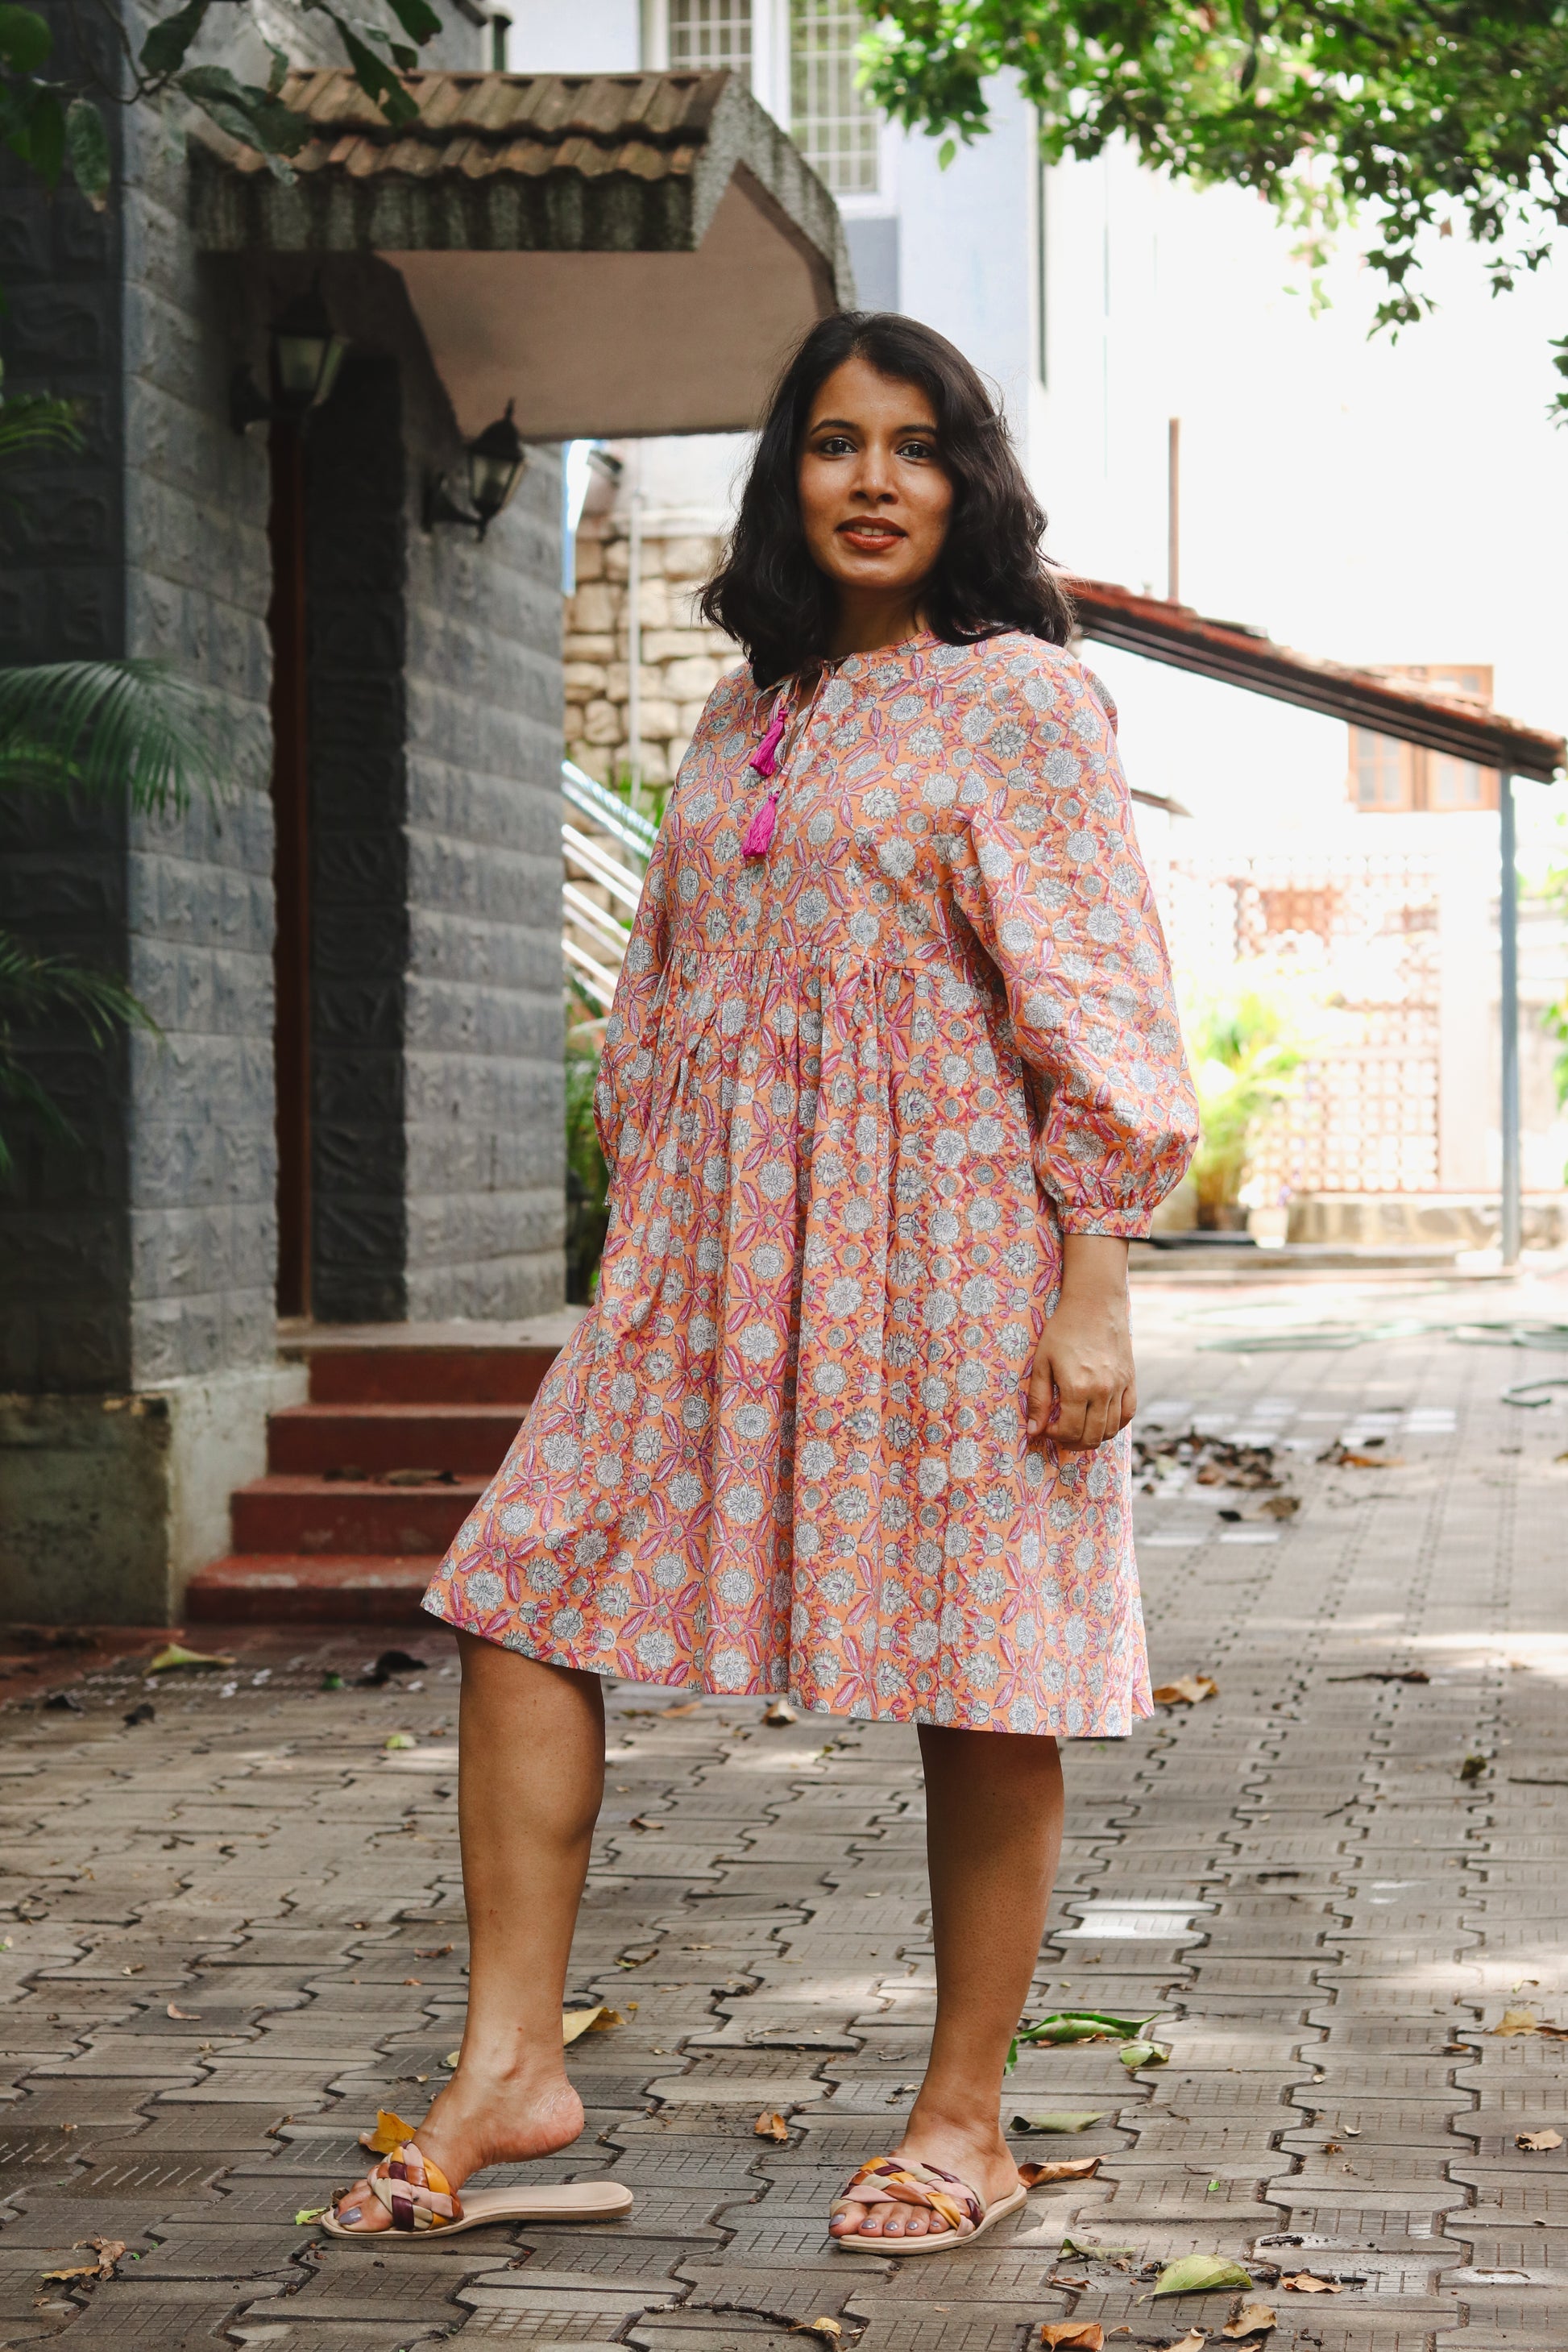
[(400, 1740), (1201, 2274), (1085, 2025), (1143, 2053), (332, 1679), (1086, 2252), (176, 1655), (1060, 2120), (309, 2214)]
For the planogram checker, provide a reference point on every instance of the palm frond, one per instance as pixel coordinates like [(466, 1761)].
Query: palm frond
[(104, 726), (32, 988), (37, 421)]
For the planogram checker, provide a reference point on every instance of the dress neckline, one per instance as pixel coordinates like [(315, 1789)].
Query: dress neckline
[(852, 664)]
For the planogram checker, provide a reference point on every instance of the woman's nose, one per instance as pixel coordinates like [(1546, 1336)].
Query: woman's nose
[(873, 477)]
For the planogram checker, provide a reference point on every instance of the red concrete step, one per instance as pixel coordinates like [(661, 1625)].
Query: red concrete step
[(259, 1588), (429, 1375), (308, 1439), (342, 1515)]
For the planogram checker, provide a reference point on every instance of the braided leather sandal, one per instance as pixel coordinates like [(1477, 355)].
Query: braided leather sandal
[(894, 2181), (422, 2200)]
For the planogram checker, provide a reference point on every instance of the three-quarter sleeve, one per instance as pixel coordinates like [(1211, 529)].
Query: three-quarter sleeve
[(626, 1063), (1048, 873)]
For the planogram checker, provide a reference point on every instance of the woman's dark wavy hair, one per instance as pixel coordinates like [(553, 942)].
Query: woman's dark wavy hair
[(769, 595)]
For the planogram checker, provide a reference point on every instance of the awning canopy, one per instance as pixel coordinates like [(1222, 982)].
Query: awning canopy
[(1238, 656), (619, 253)]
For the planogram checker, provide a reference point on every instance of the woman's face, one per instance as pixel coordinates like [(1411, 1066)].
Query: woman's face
[(874, 500)]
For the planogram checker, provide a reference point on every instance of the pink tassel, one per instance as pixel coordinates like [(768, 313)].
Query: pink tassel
[(759, 834), (765, 758)]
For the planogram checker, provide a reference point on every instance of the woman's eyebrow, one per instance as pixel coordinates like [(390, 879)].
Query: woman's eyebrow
[(847, 425)]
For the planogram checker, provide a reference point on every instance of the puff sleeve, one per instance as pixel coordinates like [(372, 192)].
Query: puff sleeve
[(1049, 874)]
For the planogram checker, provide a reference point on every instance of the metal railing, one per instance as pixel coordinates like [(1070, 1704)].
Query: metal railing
[(634, 832), (612, 859)]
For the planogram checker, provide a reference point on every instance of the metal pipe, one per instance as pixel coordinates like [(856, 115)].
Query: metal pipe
[(1512, 1222), (634, 633)]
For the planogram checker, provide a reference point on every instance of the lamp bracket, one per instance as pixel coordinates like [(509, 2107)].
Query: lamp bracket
[(439, 506)]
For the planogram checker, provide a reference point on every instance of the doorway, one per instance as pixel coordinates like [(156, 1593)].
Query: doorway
[(290, 868)]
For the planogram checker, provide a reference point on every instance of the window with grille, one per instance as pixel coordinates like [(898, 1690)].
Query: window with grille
[(1455, 783), (1379, 769), (707, 34), (832, 123)]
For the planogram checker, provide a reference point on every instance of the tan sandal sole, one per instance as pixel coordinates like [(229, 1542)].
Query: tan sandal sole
[(580, 2200), (942, 2242)]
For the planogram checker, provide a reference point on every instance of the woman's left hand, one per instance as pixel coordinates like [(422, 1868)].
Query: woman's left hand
[(1083, 1387)]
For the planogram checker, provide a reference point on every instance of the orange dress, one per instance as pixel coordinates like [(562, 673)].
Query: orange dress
[(853, 1093)]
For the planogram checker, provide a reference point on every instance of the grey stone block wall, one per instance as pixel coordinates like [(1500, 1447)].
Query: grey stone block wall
[(148, 1254), (484, 1104), (199, 885)]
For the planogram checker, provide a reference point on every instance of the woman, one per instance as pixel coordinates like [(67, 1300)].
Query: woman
[(892, 1076)]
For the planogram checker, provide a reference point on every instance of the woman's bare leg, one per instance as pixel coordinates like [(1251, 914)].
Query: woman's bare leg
[(993, 1835), (531, 1778)]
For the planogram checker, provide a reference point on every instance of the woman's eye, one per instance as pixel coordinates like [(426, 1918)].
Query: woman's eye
[(837, 444), (916, 449)]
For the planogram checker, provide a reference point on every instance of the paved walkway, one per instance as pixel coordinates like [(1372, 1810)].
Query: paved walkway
[(234, 1931)]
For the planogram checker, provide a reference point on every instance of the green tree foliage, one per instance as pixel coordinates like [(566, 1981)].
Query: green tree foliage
[(1246, 1048), (1416, 112), (56, 121)]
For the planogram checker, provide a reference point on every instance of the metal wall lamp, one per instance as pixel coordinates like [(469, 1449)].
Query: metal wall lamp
[(494, 463), (307, 352)]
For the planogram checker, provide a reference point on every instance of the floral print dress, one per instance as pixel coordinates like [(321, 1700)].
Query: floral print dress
[(853, 1094)]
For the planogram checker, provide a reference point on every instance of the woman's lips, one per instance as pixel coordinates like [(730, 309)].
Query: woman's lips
[(870, 535)]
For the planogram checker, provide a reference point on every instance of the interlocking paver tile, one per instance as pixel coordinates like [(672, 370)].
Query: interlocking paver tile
[(267, 1865)]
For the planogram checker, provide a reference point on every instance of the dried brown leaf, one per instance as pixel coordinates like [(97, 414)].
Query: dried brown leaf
[(1515, 2021), (1186, 1691), (390, 2132), (189, 2016), (1538, 2143), (1250, 2319), (1068, 2167), (1193, 2341), (828, 2329), (686, 1707), (1074, 2335), (1281, 1506), (1307, 2283), (769, 2125)]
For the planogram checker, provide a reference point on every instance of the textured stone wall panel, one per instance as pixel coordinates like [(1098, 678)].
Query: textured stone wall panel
[(357, 730), (202, 1167), (484, 1104), (64, 1236)]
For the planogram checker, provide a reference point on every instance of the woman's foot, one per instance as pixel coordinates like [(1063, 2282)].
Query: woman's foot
[(979, 2157), (477, 2119)]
